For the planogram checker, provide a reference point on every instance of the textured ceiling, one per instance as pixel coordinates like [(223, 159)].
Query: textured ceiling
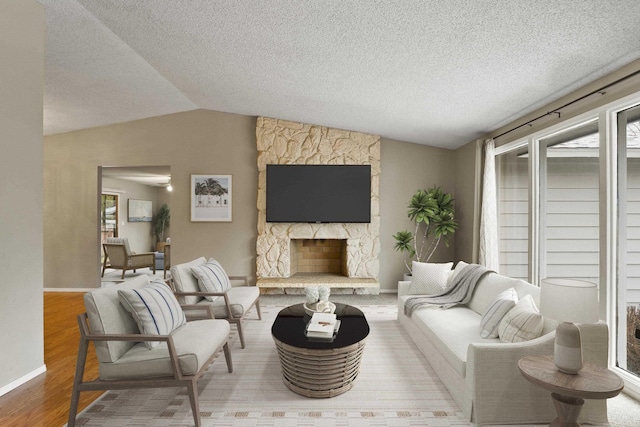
[(439, 73)]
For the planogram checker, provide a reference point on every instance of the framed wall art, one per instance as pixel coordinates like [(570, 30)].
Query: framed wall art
[(139, 210), (211, 198)]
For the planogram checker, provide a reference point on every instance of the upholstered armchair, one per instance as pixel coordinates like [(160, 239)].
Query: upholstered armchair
[(226, 302), (142, 340), (118, 255)]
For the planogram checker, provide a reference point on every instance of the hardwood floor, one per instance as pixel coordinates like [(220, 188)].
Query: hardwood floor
[(44, 401)]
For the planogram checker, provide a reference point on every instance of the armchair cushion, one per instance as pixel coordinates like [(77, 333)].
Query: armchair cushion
[(211, 278), (185, 281), (194, 343), (154, 308)]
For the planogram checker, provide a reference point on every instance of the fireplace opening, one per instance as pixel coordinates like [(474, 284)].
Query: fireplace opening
[(319, 256)]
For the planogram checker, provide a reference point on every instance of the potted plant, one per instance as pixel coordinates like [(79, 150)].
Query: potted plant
[(433, 214), (160, 223)]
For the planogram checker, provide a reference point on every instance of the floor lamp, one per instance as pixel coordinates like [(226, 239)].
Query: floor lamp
[(568, 301)]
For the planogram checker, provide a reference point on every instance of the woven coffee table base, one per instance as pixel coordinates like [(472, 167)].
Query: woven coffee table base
[(320, 373)]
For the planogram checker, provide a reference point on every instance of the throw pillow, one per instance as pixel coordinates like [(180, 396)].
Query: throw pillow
[(522, 323), (429, 278), (211, 278), (154, 308), (491, 318)]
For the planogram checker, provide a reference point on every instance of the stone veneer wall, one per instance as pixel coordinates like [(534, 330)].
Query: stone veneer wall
[(283, 142)]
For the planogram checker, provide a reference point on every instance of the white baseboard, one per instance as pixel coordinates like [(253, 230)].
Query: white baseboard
[(68, 289), (23, 379)]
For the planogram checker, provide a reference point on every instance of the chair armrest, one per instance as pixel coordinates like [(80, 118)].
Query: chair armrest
[(227, 303), (195, 307), (244, 279)]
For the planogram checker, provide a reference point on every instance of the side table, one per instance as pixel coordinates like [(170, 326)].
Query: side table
[(569, 391)]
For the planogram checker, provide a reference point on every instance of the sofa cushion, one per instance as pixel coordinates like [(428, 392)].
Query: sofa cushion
[(195, 342), (451, 331), (185, 281), (154, 308), (491, 318), (492, 284), (107, 316), (211, 277), (522, 323), (429, 278)]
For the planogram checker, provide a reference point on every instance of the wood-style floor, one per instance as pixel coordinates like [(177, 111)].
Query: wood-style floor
[(44, 401)]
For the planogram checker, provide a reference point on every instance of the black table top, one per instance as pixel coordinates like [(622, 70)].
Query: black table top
[(289, 327)]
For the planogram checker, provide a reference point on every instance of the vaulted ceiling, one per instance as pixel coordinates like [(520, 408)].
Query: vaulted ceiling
[(435, 72)]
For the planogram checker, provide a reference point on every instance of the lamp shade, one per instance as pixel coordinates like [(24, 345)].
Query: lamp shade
[(569, 300)]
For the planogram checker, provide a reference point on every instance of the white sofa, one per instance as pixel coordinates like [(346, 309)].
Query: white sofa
[(482, 374)]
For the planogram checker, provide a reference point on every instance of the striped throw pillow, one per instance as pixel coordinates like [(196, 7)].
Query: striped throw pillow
[(211, 278), (491, 318), (154, 308), (522, 323)]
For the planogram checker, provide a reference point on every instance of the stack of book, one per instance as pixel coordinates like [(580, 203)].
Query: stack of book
[(323, 327)]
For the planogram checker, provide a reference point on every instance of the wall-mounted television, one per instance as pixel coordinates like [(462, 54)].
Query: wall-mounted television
[(319, 193)]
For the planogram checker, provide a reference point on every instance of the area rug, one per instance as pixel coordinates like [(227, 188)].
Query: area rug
[(395, 387)]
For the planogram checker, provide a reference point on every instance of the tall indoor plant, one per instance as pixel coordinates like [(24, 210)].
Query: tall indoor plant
[(433, 214), (160, 223)]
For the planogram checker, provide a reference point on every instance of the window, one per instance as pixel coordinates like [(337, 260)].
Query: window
[(109, 216), (628, 253), (569, 204), (513, 212)]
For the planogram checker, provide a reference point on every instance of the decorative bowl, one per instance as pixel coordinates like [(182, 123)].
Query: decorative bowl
[(319, 307)]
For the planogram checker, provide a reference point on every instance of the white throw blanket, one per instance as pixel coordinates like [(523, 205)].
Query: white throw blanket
[(459, 291)]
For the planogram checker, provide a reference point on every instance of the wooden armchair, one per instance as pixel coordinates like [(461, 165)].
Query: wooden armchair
[(125, 360), (118, 255), (232, 304)]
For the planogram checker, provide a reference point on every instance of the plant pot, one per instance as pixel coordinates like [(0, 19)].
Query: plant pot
[(160, 246), (407, 277)]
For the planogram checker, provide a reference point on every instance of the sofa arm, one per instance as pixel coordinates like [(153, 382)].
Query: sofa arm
[(403, 287), (502, 395)]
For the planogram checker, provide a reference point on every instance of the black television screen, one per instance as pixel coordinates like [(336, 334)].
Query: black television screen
[(318, 193)]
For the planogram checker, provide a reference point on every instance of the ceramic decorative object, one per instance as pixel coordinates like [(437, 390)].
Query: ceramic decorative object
[(567, 352), (317, 300)]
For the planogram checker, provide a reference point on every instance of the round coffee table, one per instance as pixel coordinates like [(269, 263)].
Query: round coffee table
[(315, 368), (569, 391)]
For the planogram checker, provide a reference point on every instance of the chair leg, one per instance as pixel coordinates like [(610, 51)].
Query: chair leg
[(123, 271), (258, 309), (104, 266), (240, 334), (77, 380), (227, 356), (192, 388)]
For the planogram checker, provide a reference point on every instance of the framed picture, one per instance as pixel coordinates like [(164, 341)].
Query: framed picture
[(140, 210), (211, 198)]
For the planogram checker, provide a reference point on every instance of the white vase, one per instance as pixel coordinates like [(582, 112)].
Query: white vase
[(567, 351)]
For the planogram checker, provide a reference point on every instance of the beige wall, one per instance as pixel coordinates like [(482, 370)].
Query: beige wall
[(196, 142), (406, 168), (22, 26), (200, 142), (467, 189)]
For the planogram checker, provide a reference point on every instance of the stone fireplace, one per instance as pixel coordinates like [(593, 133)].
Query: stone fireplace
[(300, 254)]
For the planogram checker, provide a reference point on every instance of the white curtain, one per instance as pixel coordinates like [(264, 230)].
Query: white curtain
[(488, 255)]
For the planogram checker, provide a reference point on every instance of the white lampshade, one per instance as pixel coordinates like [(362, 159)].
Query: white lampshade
[(569, 300)]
